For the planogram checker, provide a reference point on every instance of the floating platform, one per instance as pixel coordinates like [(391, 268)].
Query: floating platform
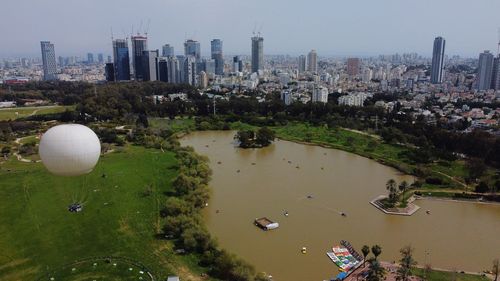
[(345, 257), (266, 224)]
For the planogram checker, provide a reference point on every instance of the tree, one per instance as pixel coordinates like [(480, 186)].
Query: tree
[(482, 187), (403, 186), (376, 250), (393, 192), (6, 150), (245, 137), (375, 271), (365, 250), (476, 168), (142, 120), (407, 262), (496, 268), (265, 136)]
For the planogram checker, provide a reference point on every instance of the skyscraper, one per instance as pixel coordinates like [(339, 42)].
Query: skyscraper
[(353, 65), (90, 58), (438, 60), (192, 48), (257, 53), (320, 94), (162, 68), (188, 71), (237, 64), (495, 79), (312, 61), (110, 72), (203, 80), (209, 66), (49, 60), (302, 64), (216, 51), (167, 51), (485, 71), (139, 45), (121, 60), (173, 70), (149, 65), (100, 58)]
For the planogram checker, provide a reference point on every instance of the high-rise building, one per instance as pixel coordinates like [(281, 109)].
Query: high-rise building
[(485, 71), (192, 48), (353, 65), (495, 77), (203, 80), (286, 97), (209, 66), (60, 61), (121, 60), (90, 58), (167, 51), (149, 65), (139, 45), (217, 56), (237, 64), (257, 53), (162, 68), (302, 64), (312, 61), (437, 66), (188, 71), (110, 72), (173, 70), (320, 94), (100, 58), (48, 60)]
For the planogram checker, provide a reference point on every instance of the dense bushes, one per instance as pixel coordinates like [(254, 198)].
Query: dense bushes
[(250, 139)]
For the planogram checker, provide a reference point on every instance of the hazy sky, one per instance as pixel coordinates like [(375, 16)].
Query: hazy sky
[(332, 27)]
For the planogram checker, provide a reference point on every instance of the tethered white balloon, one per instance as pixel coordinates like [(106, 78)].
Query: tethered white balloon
[(69, 150)]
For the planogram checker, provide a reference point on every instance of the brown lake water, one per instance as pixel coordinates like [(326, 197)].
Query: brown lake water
[(465, 236)]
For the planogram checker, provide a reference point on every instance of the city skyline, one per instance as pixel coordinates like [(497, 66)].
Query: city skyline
[(376, 28)]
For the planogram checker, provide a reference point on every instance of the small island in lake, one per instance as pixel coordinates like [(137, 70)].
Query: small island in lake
[(251, 139)]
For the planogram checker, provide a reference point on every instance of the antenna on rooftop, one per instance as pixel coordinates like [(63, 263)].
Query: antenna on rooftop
[(147, 27), (498, 49), (124, 34), (140, 27), (112, 38)]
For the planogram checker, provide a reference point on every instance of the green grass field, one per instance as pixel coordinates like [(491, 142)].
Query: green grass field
[(10, 113), (175, 125), (120, 218), (435, 275)]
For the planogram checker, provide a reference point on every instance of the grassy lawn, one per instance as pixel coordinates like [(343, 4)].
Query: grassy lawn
[(435, 275), (10, 113), (120, 218), (175, 125)]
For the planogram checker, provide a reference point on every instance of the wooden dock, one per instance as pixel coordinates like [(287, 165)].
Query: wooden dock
[(266, 224)]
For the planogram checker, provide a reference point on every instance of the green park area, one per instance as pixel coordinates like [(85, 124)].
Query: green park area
[(21, 112), (436, 275), (121, 198)]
